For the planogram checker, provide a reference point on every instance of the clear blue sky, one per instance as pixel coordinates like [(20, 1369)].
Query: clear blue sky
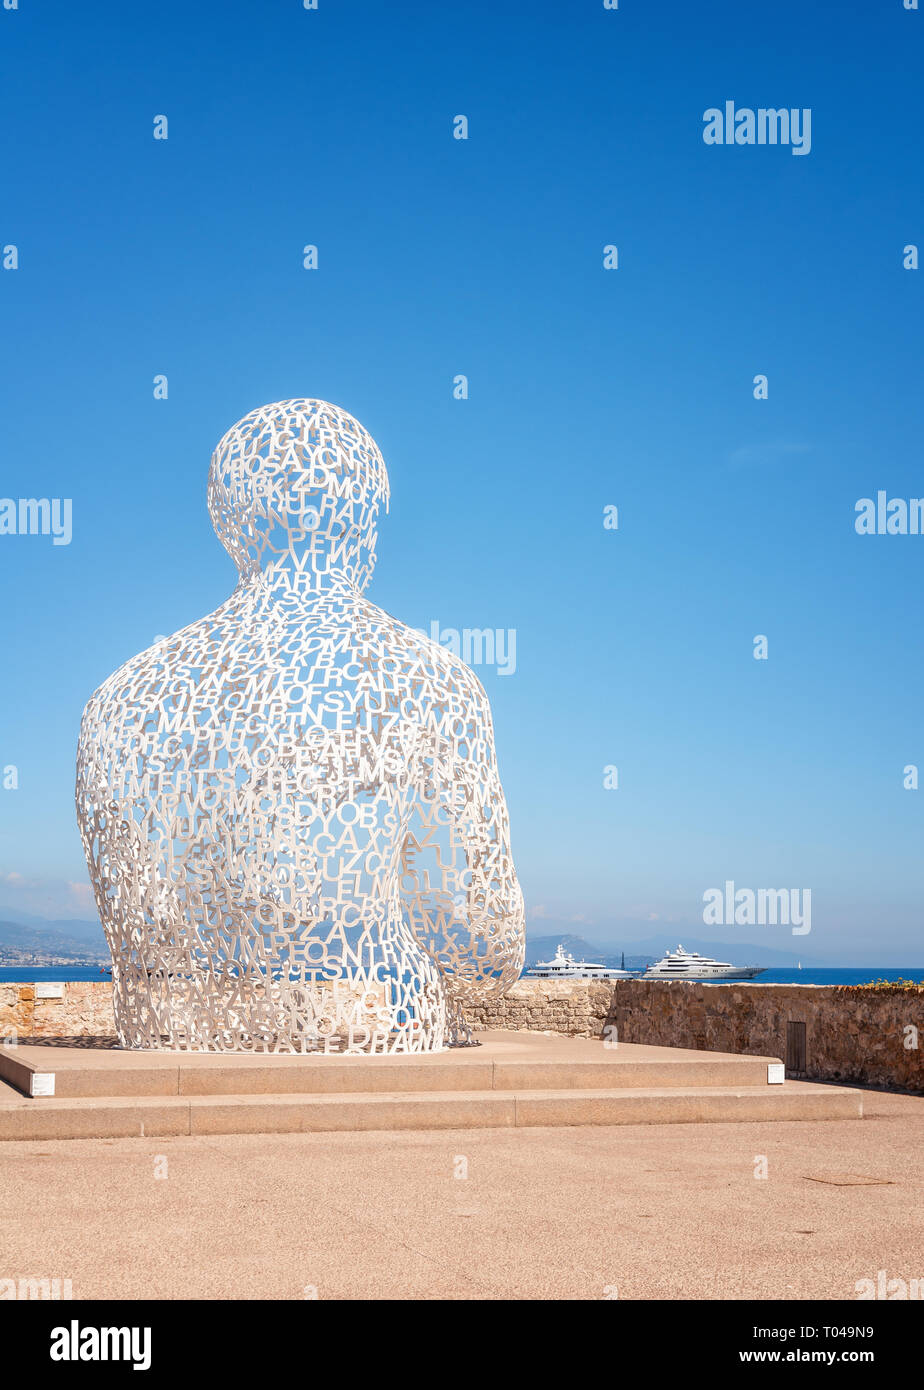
[(630, 387)]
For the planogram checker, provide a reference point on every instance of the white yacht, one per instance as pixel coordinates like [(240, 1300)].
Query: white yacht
[(689, 965), (562, 966)]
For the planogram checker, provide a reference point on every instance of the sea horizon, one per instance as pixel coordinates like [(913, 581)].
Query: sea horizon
[(782, 975)]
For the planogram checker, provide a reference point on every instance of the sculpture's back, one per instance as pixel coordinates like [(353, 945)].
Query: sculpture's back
[(290, 809)]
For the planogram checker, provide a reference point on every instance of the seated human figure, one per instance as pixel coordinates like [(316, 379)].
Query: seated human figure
[(291, 808)]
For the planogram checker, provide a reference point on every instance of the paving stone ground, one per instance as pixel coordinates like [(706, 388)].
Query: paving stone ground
[(658, 1211)]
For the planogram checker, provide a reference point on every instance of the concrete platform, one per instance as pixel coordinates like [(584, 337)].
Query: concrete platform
[(513, 1080), (505, 1061)]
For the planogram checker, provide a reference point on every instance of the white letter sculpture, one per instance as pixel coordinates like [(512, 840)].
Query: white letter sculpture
[(291, 810)]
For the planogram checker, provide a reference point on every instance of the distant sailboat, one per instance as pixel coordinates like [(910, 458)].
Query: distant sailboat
[(799, 966)]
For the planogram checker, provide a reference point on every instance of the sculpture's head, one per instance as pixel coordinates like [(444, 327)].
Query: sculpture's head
[(298, 484)]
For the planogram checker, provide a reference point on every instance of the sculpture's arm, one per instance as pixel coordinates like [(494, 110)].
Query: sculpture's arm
[(459, 885)]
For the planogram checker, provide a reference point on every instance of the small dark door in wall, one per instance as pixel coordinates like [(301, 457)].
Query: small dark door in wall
[(795, 1048)]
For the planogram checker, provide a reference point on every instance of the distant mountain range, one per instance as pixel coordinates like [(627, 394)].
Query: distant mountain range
[(77, 927), (73, 937), (27, 939)]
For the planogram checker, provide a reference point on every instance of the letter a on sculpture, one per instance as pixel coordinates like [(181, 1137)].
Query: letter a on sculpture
[(291, 809)]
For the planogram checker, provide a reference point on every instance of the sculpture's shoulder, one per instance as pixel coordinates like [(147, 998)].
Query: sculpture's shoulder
[(233, 649), (436, 673), (142, 681)]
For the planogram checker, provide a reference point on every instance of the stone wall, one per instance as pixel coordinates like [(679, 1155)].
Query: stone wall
[(82, 1010), (851, 1035), (857, 1035), (576, 1007)]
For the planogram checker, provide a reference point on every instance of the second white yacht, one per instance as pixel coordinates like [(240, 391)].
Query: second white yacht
[(690, 965)]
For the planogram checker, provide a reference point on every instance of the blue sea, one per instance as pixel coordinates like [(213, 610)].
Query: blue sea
[(789, 975), (856, 976), (29, 974)]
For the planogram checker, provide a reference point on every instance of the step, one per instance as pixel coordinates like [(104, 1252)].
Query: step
[(152, 1116), (504, 1063)]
